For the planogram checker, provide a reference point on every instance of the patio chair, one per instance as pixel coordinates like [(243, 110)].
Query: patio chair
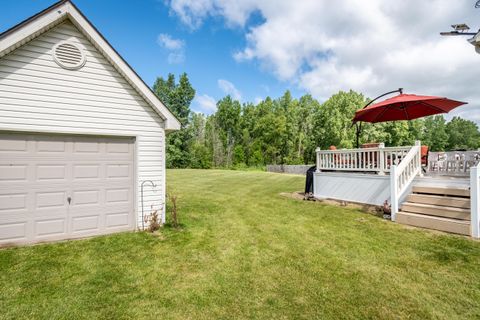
[(442, 161), (453, 162), (471, 160), (424, 157), (432, 161), (437, 161)]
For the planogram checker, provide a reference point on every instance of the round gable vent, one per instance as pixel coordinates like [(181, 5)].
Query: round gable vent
[(69, 56)]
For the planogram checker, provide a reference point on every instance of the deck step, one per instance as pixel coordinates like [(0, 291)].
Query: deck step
[(439, 211), (439, 200), (459, 192), (436, 223)]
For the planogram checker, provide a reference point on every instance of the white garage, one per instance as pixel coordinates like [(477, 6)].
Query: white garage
[(79, 133)]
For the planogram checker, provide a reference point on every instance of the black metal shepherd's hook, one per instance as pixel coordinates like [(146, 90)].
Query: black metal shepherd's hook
[(359, 126)]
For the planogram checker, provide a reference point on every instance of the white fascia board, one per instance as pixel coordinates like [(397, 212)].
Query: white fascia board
[(66, 10), (31, 30)]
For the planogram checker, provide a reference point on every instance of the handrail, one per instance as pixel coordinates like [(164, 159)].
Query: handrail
[(402, 175), (377, 159), (410, 160), (475, 201)]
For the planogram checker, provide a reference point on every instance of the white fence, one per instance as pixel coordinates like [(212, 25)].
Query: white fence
[(378, 160), (290, 168)]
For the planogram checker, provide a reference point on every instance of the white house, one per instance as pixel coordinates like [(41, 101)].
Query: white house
[(79, 133)]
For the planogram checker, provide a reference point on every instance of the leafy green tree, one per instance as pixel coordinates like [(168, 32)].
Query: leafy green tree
[(270, 130), (214, 143), (247, 138), (334, 120), (435, 133), (177, 98), (227, 120), (200, 155), (304, 141), (462, 134)]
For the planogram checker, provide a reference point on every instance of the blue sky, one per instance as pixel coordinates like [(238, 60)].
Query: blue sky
[(133, 28), (257, 48)]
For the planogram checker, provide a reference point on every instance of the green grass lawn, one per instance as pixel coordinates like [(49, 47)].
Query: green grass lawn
[(246, 252)]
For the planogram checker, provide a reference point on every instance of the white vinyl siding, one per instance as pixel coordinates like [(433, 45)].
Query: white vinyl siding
[(37, 95)]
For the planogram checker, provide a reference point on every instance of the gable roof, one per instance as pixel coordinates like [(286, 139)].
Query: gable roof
[(63, 10)]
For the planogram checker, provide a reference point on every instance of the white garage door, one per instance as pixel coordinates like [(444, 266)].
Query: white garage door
[(61, 187)]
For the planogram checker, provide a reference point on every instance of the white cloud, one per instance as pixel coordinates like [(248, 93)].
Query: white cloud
[(176, 48), (193, 12), (170, 43), (229, 88), (204, 104), (370, 46)]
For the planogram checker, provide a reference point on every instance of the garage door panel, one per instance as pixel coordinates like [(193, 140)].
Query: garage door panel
[(53, 227), (13, 231), (13, 172), (38, 175), (51, 200), (85, 224), (118, 147), (13, 144), (86, 198), (50, 144), (118, 170), (87, 171), (13, 201), (87, 146), (51, 171), (118, 220), (115, 196)]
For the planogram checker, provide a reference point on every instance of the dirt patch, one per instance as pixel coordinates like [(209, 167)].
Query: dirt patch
[(376, 210)]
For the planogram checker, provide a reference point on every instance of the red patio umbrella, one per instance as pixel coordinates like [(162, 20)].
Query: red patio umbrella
[(403, 107)]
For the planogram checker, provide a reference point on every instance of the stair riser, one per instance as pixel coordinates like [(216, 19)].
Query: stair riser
[(442, 191), (458, 203), (432, 223), (438, 212)]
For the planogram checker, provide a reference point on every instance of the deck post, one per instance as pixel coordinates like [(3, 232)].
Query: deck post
[(381, 154), (419, 145), (393, 192), (474, 201), (318, 159)]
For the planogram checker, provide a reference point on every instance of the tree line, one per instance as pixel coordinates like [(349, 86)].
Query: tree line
[(288, 130)]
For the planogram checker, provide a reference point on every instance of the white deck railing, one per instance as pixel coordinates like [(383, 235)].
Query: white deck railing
[(403, 164), (379, 159), (402, 175)]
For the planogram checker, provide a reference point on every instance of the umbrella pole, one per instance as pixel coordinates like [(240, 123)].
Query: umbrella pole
[(359, 128)]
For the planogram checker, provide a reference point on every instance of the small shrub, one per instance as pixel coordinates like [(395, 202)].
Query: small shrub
[(154, 223), (173, 199)]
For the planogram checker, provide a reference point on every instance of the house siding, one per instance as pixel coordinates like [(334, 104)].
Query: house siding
[(37, 95)]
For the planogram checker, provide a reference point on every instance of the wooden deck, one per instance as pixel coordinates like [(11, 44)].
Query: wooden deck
[(441, 194)]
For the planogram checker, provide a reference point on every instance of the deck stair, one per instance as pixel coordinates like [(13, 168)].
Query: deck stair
[(440, 208)]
